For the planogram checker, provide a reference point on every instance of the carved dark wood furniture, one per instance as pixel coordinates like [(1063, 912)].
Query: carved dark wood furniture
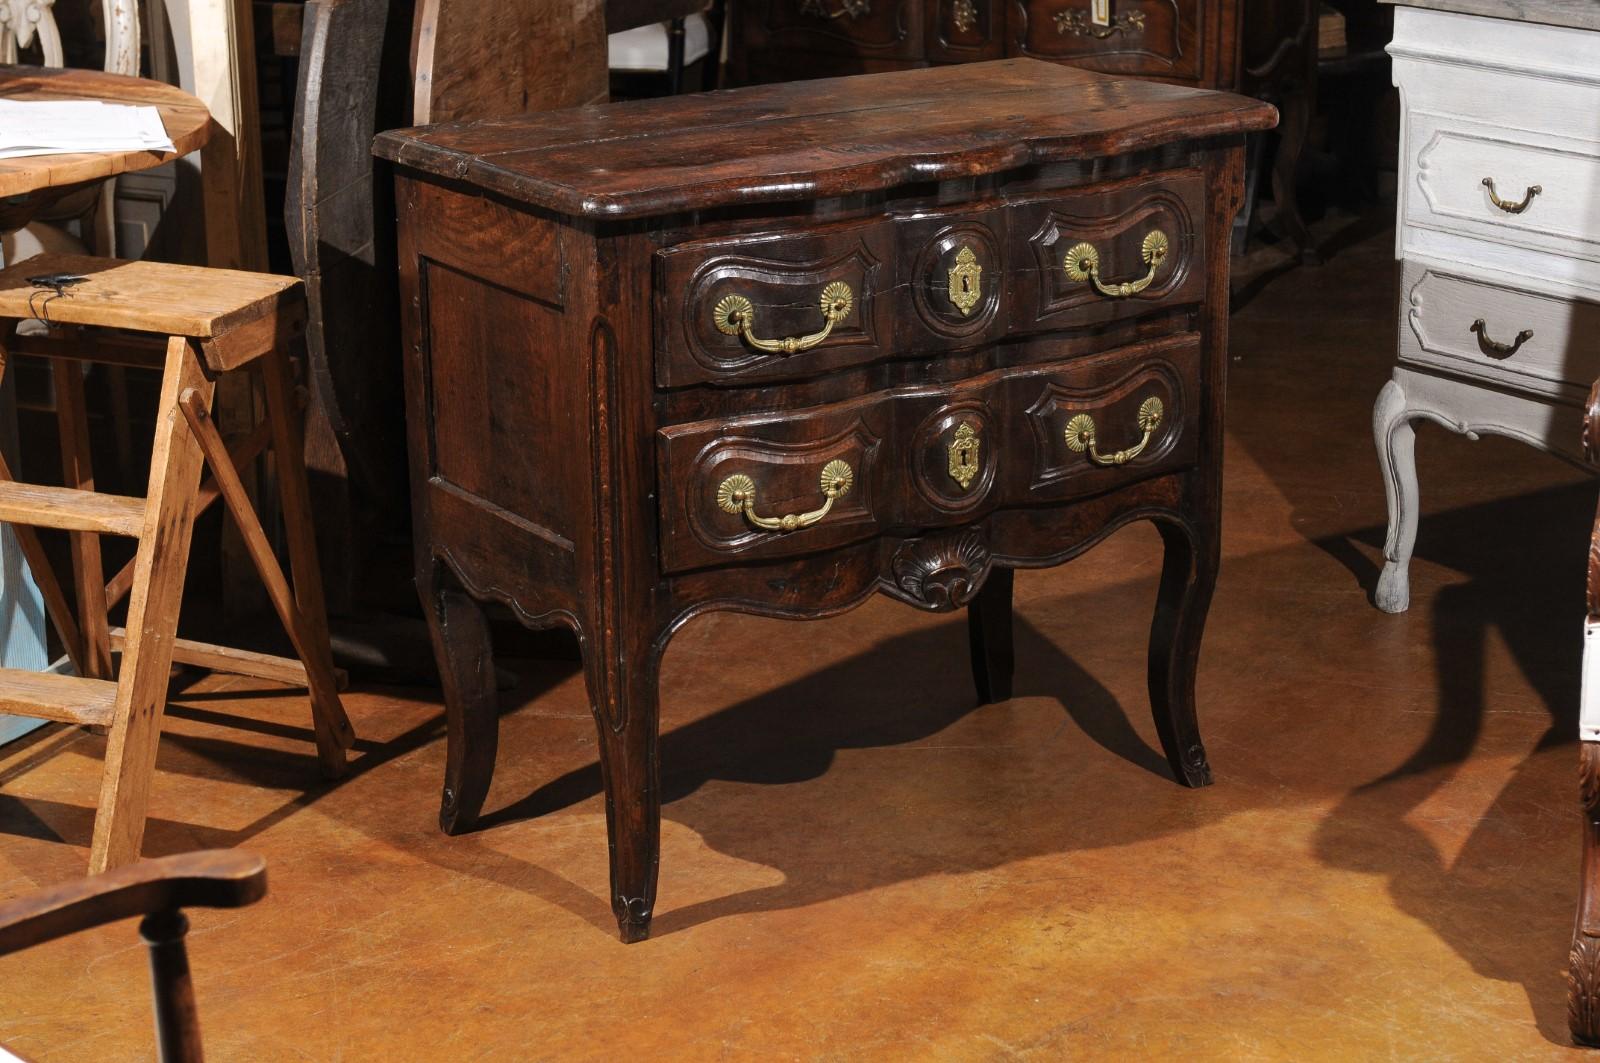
[(1583, 962), (1191, 42), (157, 890), (778, 349)]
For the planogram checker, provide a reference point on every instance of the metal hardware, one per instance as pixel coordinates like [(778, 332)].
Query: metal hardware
[(737, 494), (1083, 264), (965, 15), (1081, 434), (1508, 206), (734, 315), (964, 450), (1499, 350), (1078, 24), (966, 281), (51, 286), (853, 9)]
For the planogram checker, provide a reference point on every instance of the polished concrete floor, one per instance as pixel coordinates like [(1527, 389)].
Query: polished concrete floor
[(859, 864)]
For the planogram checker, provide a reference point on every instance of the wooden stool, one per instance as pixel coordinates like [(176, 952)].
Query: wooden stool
[(194, 324)]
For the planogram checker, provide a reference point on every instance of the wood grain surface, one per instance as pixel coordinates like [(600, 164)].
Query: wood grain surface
[(821, 138)]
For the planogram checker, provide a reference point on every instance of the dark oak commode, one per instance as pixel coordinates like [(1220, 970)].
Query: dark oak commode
[(778, 349)]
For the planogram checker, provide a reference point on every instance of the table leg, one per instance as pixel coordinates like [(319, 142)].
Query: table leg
[(989, 630), (1583, 962), (622, 692), (461, 645), (1188, 578)]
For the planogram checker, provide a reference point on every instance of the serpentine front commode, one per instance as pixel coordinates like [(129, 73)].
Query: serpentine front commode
[(980, 329)]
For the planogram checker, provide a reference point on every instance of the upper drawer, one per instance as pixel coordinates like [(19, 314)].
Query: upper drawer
[(1517, 337), (1107, 252), (774, 306), (1154, 38), (964, 31), (1518, 187), (873, 29)]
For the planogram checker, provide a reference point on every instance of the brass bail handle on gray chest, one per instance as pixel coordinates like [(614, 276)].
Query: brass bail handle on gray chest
[(737, 494), (1083, 264), (734, 315), (1081, 434), (1507, 205)]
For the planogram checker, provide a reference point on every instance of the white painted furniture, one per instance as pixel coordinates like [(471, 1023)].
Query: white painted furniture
[(1499, 237)]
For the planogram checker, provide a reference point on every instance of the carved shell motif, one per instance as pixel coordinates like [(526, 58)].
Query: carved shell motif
[(942, 573)]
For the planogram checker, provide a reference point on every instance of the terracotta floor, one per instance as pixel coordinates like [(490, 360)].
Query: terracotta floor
[(860, 865)]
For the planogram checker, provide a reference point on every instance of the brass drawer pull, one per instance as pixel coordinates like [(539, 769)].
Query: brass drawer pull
[(1508, 206), (1499, 350), (1078, 24), (735, 315), (737, 494), (1083, 264), (853, 8), (1081, 434)]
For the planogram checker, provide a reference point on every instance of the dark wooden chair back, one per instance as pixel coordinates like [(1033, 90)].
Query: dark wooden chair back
[(630, 14), (159, 891)]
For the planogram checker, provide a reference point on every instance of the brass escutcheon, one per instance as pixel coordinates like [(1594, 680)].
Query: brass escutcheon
[(966, 281), (1081, 434), (1083, 264), (737, 494), (964, 450), (1079, 24)]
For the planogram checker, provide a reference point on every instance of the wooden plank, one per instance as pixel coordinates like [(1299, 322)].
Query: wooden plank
[(162, 563), (77, 473), (39, 506), (1579, 14), (278, 24), (63, 698), (222, 43), (475, 60), (154, 297), (232, 660), (102, 348), (334, 734)]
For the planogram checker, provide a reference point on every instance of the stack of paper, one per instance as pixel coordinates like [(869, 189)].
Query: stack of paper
[(66, 127)]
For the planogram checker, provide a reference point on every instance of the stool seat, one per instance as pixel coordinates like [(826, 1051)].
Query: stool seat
[(235, 316)]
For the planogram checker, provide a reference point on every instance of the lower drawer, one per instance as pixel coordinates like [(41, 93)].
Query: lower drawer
[(1486, 327), (785, 484)]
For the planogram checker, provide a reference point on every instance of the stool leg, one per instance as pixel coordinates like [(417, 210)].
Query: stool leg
[(77, 471), (159, 570), (288, 444)]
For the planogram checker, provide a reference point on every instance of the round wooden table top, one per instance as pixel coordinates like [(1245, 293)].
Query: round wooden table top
[(186, 118)]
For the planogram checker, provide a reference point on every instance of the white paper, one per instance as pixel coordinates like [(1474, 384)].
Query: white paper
[(65, 127)]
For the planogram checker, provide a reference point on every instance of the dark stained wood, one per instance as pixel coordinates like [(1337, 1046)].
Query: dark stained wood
[(354, 81), (1280, 65), (572, 419), (158, 890), (1583, 961), (664, 156), (472, 59), (1192, 42)]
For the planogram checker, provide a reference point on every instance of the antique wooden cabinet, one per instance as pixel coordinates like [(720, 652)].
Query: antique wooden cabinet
[(779, 349), (1499, 241), (1191, 42)]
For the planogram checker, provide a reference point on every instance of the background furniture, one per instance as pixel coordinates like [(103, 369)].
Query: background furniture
[(1499, 241), (661, 38), (1499, 237), (196, 325), (159, 891), (868, 344), (1193, 42), (1583, 961)]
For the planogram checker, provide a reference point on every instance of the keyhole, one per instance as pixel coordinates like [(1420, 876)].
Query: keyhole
[(966, 285)]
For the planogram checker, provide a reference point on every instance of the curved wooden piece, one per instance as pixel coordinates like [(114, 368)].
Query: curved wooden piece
[(1583, 960), (462, 647), (219, 878), (989, 632), (475, 60), (1188, 579)]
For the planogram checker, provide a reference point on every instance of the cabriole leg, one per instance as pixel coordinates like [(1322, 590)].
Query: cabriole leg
[(623, 694), (1396, 440), (1188, 578), (461, 645), (989, 630)]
